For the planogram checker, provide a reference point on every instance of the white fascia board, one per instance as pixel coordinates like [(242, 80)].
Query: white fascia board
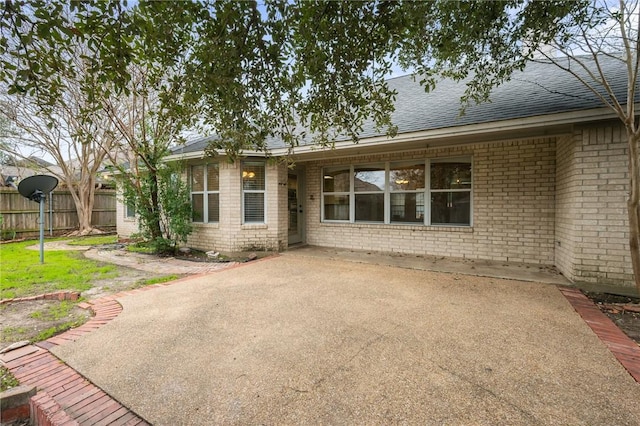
[(468, 130), (199, 155)]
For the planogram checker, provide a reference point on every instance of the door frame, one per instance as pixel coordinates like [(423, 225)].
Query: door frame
[(299, 172)]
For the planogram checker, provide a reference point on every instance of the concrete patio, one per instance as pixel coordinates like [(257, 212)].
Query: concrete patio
[(298, 339)]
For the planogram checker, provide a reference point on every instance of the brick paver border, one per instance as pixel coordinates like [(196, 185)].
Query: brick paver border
[(58, 295), (64, 396), (626, 351)]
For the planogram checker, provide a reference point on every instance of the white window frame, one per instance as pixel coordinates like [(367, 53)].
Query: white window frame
[(254, 191), (464, 159), (349, 193), (427, 191), (423, 190), (129, 210), (205, 192)]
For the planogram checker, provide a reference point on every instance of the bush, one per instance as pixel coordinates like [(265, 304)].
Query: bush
[(167, 222)]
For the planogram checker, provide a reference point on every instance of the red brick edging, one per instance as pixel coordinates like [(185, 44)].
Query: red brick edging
[(626, 351), (46, 412), (64, 396), (58, 295)]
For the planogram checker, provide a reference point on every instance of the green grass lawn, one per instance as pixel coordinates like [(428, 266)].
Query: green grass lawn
[(94, 240), (21, 273)]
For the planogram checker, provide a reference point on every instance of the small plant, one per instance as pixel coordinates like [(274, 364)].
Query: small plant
[(52, 331), (142, 247), (7, 380), (13, 334), (55, 312), (158, 280)]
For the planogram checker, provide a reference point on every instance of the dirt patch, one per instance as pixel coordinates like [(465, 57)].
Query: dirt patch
[(36, 319), (127, 279), (39, 320), (221, 257), (624, 311)]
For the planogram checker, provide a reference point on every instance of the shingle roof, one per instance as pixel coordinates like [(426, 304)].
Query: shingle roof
[(540, 89)]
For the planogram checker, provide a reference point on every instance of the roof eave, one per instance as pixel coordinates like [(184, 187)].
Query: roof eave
[(553, 123), (199, 155)]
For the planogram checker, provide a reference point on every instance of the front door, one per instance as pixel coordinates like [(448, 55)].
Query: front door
[(296, 213)]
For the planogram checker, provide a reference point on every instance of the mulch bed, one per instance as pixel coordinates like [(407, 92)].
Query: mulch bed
[(624, 311)]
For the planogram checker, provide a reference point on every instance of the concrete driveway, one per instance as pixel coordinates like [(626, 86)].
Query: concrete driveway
[(295, 340)]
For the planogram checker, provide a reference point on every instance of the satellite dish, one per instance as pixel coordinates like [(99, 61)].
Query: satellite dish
[(36, 189)]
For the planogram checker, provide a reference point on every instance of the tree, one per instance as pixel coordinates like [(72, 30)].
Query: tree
[(145, 130), (92, 84), (6, 133), (67, 131), (607, 31), (52, 68), (149, 115), (290, 70)]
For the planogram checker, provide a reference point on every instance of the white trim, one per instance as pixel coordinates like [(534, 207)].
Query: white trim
[(254, 191), (205, 191), (426, 191)]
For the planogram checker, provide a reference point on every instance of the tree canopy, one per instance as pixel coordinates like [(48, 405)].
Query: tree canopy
[(305, 70), (291, 70)]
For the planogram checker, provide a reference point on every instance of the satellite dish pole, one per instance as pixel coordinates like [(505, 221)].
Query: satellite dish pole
[(35, 188)]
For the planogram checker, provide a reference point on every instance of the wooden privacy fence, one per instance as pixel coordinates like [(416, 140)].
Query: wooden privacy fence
[(20, 216)]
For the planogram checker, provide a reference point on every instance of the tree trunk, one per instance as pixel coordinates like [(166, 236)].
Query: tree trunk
[(633, 205), (155, 228), (84, 220), (83, 199), (634, 239)]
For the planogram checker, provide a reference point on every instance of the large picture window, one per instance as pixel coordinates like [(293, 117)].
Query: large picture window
[(435, 192), (205, 193), (253, 192)]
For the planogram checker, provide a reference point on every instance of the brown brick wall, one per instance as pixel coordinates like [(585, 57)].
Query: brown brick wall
[(546, 201), (513, 207), (591, 212)]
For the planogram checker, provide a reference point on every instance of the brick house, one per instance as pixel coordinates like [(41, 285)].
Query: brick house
[(538, 175)]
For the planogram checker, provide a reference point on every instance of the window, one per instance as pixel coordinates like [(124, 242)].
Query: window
[(205, 193), (450, 192), (336, 184), (253, 192), (407, 183), (130, 210), (436, 192), (369, 187)]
